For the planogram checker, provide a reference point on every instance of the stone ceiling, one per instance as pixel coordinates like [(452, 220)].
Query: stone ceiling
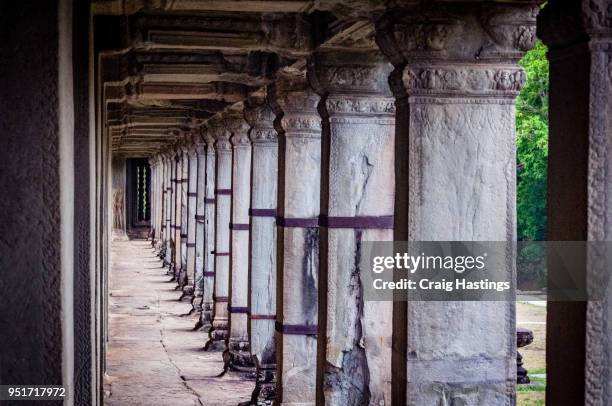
[(166, 67)]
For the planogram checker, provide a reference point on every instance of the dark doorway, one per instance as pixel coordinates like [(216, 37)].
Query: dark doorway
[(138, 192)]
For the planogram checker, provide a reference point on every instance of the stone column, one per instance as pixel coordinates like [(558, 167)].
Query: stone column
[(162, 207), (183, 274), (223, 194), (239, 357), (262, 253), (175, 164), (209, 232), (161, 196), (153, 199), (161, 181), (157, 201), (298, 240), (169, 230), (578, 344), (199, 221), (178, 194), (459, 71), (192, 183), (357, 186)]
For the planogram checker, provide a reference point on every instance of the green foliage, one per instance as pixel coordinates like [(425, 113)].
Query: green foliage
[(532, 146)]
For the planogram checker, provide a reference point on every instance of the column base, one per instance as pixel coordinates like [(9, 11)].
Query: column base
[(265, 385), (187, 295), (239, 356), (217, 337), (206, 317), (171, 270), (196, 301), (181, 277)]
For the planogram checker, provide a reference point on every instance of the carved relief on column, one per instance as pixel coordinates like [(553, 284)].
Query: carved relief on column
[(455, 149), (459, 50), (298, 239), (238, 356), (579, 39), (223, 192), (262, 255), (209, 231), (199, 223), (358, 183)]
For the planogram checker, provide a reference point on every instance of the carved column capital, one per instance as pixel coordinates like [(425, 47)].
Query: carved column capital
[(459, 49), (208, 137), (200, 148), (298, 102), (239, 129), (354, 83), (259, 115), (221, 135)]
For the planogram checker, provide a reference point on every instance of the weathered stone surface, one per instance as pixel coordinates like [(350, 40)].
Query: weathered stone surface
[(209, 230), (154, 356), (579, 37), (262, 261), (183, 274), (458, 116), (223, 179), (238, 343), (298, 263), (359, 114), (192, 183), (200, 202)]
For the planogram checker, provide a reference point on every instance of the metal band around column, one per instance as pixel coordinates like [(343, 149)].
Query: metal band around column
[(296, 329), (233, 309), (220, 299), (220, 254), (200, 217), (191, 245), (357, 222), (209, 200), (183, 235), (297, 222), (223, 192), (239, 226), (262, 316), (192, 194), (210, 274), (262, 212)]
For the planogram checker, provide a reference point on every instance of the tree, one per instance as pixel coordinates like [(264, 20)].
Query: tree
[(532, 160), (532, 146)]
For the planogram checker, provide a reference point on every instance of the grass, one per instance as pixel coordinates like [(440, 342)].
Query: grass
[(530, 399)]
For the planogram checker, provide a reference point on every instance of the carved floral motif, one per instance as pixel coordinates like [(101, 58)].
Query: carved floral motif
[(311, 123), (464, 80), (360, 105)]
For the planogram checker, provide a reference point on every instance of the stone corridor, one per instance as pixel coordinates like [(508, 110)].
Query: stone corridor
[(154, 356), (262, 142)]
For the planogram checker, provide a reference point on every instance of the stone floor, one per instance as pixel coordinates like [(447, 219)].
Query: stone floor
[(154, 357)]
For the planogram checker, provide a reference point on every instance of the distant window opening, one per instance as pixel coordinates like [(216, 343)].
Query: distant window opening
[(139, 189)]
